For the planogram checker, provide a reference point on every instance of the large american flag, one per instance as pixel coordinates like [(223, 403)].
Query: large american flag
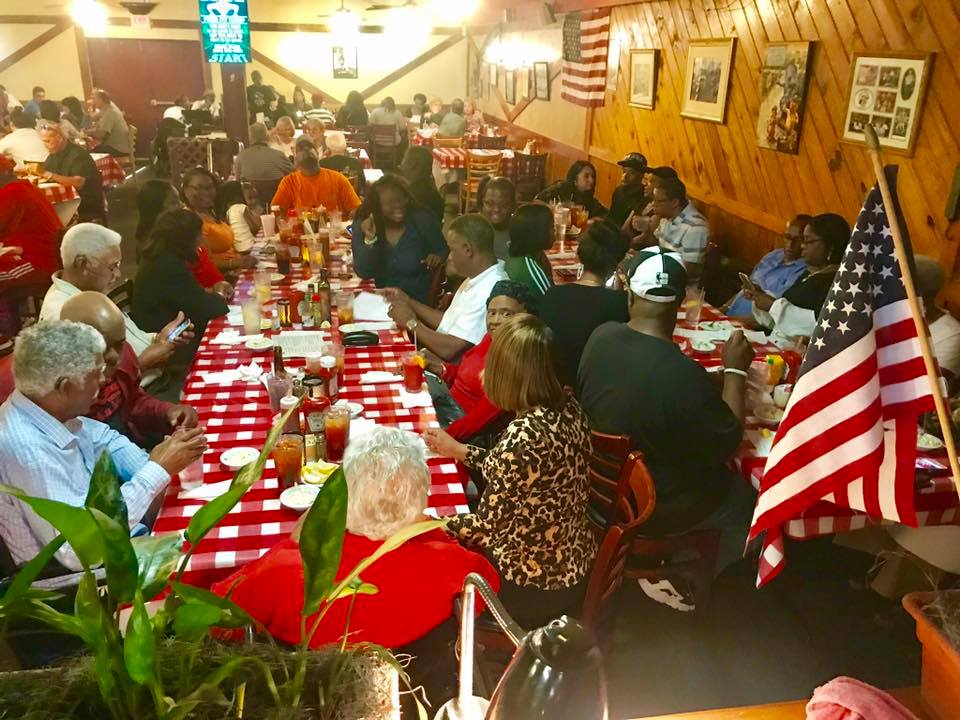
[(849, 432), (583, 75)]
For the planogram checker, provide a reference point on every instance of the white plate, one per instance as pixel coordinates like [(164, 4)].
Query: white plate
[(703, 346), (716, 325), (355, 408), (927, 442), (299, 497), (769, 414), (277, 277), (236, 458), (258, 344)]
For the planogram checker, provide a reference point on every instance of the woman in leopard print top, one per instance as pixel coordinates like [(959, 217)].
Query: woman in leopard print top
[(531, 520)]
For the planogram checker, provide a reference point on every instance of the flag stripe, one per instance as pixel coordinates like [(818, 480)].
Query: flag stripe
[(583, 73)]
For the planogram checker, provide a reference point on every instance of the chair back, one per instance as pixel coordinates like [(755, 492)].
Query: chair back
[(384, 145), (709, 276), (606, 466), (447, 141), (635, 496), (492, 142), (606, 576), (479, 166), (122, 296), (530, 173), (184, 153)]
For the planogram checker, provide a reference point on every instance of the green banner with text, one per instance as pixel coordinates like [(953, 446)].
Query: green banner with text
[(225, 26)]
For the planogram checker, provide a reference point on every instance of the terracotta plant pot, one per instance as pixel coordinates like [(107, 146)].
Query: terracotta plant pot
[(940, 672)]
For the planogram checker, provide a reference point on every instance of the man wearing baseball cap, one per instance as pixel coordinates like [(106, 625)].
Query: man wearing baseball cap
[(634, 380), (628, 195)]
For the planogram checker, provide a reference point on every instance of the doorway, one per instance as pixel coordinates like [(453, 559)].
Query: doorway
[(144, 76)]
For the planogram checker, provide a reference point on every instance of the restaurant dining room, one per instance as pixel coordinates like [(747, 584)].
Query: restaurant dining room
[(476, 359)]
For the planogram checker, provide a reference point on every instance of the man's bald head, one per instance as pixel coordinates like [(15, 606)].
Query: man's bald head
[(99, 312)]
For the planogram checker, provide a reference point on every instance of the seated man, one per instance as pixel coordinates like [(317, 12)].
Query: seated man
[(24, 144), (453, 124), (629, 195), (633, 380), (497, 200), (69, 164), (122, 404), (48, 450), (110, 129), (340, 159), (318, 112), (944, 327), (91, 261), (448, 334), (678, 226), (312, 186), (259, 161)]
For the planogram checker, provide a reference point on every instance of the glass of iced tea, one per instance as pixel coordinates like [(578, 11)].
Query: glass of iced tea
[(288, 457), (344, 303), (412, 364), (337, 431)]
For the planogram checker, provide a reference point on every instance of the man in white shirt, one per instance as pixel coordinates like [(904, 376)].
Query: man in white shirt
[(48, 450), (944, 327), (175, 111), (111, 130), (448, 334), (208, 103), (681, 228), (24, 144), (91, 261)]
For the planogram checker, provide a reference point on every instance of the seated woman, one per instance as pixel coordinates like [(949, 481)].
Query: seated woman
[(417, 168), (395, 241), (578, 188), (472, 114), (282, 137), (165, 284), (776, 271), (236, 202), (531, 235), (795, 314), (199, 193), (462, 406), (575, 310), (532, 520), (158, 196), (388, 481)]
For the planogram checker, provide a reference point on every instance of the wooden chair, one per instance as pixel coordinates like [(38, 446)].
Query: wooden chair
[(129, 161), (479, 166), (492, 142), (184, 153), (606, 465), (383, 143), (529, 174), (447, 141)]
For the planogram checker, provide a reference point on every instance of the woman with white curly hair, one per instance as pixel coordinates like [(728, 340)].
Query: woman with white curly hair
[(387, 479)]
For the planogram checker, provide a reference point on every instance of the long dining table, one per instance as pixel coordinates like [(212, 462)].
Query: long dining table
[(238, 414)]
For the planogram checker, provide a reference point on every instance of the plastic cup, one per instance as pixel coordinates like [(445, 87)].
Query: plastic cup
[(337, 351), (261, 285), (337, 430), (191, 477), (269, 225), (251, 316), (344, 303), (278, 387), (313, 363), (288, 457), (693, 305), (412, 364)]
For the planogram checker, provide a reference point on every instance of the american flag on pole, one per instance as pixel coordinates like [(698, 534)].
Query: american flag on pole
[(849, 432), (583, 75)]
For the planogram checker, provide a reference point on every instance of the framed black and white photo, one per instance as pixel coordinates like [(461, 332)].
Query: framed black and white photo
[(783, 94), (541, 80), (345, 63), (886, 91), (707, 79), (510, 86), (643, 78)]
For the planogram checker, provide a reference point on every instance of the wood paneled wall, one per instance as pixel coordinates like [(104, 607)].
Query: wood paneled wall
[(749, 193)]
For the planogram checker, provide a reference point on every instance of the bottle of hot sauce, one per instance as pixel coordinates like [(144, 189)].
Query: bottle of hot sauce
[(315, 404)]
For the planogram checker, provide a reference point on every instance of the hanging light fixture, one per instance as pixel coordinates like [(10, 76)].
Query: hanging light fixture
[(453, 12), (89, 14), (344, 21)]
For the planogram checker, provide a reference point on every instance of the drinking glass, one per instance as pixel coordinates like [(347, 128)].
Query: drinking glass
[(693, 305), (337, 431), (317, 259), (278, 387), (344, 303), (191, 477), (313, 363), (251, 315), (336, 350), (269, 225), (412, 364), (261, 283), (288, 457)]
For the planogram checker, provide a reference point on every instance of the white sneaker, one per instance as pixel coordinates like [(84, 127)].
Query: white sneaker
[(665, 593)]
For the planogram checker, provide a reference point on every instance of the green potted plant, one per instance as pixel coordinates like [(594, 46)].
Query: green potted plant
[(937, 614), (166, 665)]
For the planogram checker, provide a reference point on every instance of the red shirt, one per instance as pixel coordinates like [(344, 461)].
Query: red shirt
[(204, 270), (140, 412), (466, 387), (416, 585), (28, 220)]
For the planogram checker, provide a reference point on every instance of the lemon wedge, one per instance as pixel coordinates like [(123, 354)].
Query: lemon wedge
[(316, 473)]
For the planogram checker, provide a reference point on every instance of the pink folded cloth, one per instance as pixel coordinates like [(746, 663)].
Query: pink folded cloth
[(845, 698)]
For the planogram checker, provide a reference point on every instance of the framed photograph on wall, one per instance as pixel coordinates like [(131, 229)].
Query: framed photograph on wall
[(643, 78), (541, 80), (493, 74), (783, 93), (886, 91), (707, 79), (510, 86), (345, 63)]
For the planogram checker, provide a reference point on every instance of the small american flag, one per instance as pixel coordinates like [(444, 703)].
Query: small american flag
[(583, 76), (849, 432)]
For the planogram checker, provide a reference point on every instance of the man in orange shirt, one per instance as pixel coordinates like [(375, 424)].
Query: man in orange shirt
[(311, 185)]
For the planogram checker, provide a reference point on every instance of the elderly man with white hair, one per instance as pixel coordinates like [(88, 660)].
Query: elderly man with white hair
[(338, 158), (91, 261), (49, 450), (388, 482)]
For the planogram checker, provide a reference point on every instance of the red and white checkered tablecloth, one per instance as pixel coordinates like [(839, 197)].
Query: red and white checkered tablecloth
[(239, 414), (362, 155), (57, 193), (110, 170), (456, 158)]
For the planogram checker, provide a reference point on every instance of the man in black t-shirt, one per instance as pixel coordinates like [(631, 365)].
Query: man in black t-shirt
[(259, 97), (69, 164), (629, 194), (633, 380)]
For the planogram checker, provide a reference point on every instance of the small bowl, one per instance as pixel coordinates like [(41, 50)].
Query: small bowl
[(768, 414), (277, 277), (299, 497), (355, 408), (927, 442), (703, 346), (238, 457), (260, 344)]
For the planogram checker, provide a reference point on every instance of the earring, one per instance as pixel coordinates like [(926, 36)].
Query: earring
[(580, 271)]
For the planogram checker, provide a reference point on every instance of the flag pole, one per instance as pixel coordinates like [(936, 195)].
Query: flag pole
[(873, 146)]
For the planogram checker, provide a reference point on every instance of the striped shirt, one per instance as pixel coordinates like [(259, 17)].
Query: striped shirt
[(527, 270), (50, 459), (321, 114)]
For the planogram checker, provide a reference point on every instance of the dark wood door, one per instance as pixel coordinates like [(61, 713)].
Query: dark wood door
[(138, 73)]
